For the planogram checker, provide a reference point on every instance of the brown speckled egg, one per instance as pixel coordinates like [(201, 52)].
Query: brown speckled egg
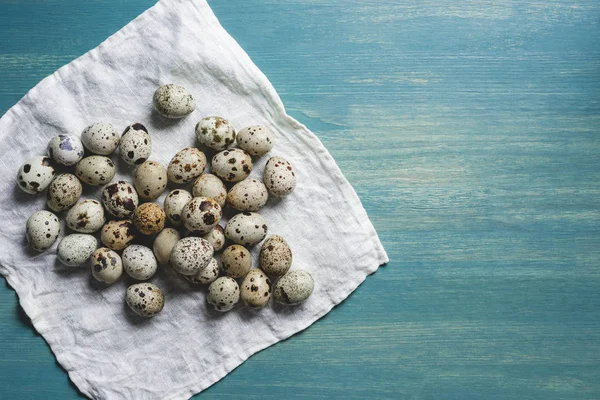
[(232, 165), (191, 255), (95, 170), (174, 203), (145, 299), (87, 216), (64, 191), (201, 214), (107, 266), (257, 140), (215, 132), (149, 218), (117, 235), (248, 195), (223, 294), (293, 287), (186, 165), (255, 290), (275, 256), (216, 237), (279, 177), (236, 261), (164, 243), (100, 138), (209, 185), (150, 180), (135, 145), (42, 230), (120, 199), (173, 101), (35, 175), (246, 228), (205, 276)]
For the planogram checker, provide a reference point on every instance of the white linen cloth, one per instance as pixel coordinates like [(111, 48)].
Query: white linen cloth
[(107, 351)]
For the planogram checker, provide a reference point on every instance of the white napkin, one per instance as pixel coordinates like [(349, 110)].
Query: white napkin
[(108, 351)]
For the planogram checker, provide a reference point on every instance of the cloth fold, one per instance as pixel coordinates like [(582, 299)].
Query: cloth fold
[(107, 351)]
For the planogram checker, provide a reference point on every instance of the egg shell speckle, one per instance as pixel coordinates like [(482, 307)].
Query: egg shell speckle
[(205, 276), (275, 256), (216, 237), (209, 185), (223, 294), (106, 265), (65, 149), (232, 165), (247, 228), (257, 140), (215, 132), (236, 261), (186, 165), (135, 145), (173, 101), (117, 235), (149, 218), (279, 177), (120, 199), (139, 262), (95, 170), (42, 230), (145, 299), (294, 287), (87, 216), (255, 290), (75, 249), (191, 255), (64, 191), (35, 175), (150, 180), (174, 203), (248, 195), (201, 214), (164, 243), (101, 138)]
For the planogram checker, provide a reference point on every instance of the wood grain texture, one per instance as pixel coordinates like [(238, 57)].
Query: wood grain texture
[(470, 131)]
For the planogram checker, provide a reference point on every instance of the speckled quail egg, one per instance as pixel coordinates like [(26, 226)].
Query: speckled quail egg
[(248, 195), (64, 191), (232, 165), (186, 165), (41, 230), (150, 180), (35, 175), (279, 177), (117, 235), (275, 256), (209, 185), (191, 255), (135, 145), (164, 243), (236, 261), (95, 170), (87, 216), (120, 199), (107, 266), (100, 138), (223, 294), (201, 214), (205, 276), (145, 299), (293, 287), (65, 149), (257, 140), (75, 249), (215, 132), (255, 290), (139, 262), (173, 101), (246, 228), (174, 203), (149, 218), (215, 237)]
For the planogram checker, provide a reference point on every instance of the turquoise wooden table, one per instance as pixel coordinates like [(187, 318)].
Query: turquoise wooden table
[(470, 130)]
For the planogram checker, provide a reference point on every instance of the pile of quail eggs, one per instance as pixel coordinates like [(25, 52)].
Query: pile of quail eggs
[(185, 230)]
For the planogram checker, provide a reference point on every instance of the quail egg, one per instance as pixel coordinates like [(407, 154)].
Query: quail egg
[(173, 101), (87, 216), (209, 185), (246, 228), (100, 138), (139, 262), (255, 290), (293, 287), (145, 299), (236, 261), (223, 294), (149, 218), (150, 180), (75, 249), (275, 256), (257, 140), (174, 203), (120, 199), (117, 235), (41, 230), (191, 255), (201, 214), (215, 237), (248, 195), (107, 266), (164, 243), (95, 170), (65, 149), (279, 177), (64, 191), (215, 132), (186, 165), (135, 145), (35, 175), (232, 165)]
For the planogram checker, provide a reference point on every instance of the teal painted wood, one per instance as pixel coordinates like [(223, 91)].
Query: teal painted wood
[(470, 130)]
